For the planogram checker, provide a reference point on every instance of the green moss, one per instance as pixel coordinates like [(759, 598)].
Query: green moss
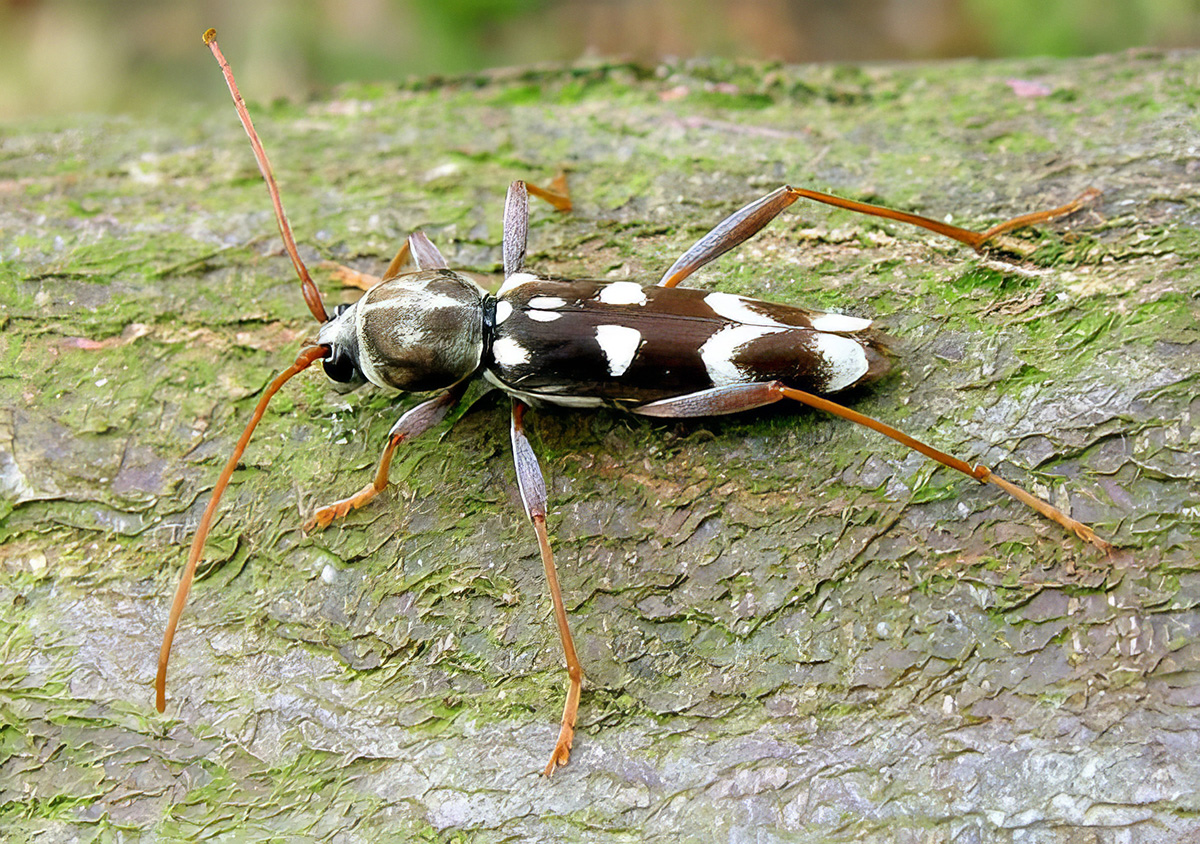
[(733, 101), (715, 569)]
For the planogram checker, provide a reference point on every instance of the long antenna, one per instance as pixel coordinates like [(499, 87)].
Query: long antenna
[(312, 296), (303, 361), (307, 356)]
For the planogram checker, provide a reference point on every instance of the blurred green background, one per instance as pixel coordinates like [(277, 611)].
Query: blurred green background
[(61, 56)]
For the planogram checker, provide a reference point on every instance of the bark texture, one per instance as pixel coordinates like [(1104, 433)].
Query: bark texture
[(791, 630)]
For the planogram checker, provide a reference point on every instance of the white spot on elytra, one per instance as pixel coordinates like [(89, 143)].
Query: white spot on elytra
[(845, 360), (719, 349), (738, 309), (514, 281), (543, 316), (547, 303), (508, 352), (622, 293), (503, 311), (619, 344), (839, 323)]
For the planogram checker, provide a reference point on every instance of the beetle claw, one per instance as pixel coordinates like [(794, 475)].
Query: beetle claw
[(562, 750), (338, 509)]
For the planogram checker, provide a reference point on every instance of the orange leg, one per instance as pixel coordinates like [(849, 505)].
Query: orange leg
[(557, 194), (748, 221), (533, 494), (413, 423), (566, 732), (417, 249), (740, 397), (340, 508)]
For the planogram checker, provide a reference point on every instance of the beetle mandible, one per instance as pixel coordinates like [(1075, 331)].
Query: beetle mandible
[(660, 351)]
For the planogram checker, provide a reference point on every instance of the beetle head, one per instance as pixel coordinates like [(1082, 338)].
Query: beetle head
[(341, 365)]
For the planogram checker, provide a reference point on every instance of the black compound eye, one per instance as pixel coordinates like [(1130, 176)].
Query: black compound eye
[(340, 368)]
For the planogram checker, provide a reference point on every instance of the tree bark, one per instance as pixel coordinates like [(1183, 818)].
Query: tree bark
[(790, 629)]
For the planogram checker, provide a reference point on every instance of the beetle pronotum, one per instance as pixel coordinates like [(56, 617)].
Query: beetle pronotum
[(660, 351)]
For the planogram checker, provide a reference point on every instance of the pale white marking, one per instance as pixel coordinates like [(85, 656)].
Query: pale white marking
[(365, 363), (619, 344), (845, 360), (538, 398), (503, 311), (738, 309), (547, 303), (839, 323), (543, 316), (488, 375), (340, 331), (718, 351), (396, 316), (622, 293), (568, 401), (406, 334), (409, 299), (508, 352), (514, 281)]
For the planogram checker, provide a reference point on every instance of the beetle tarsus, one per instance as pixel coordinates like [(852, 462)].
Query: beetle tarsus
[(566, 735), (413, 423), (339, 509), (1052, 513), (350, 277), (1036, 217)]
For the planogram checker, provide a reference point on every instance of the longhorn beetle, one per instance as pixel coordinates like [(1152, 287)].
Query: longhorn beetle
[(662, 351)]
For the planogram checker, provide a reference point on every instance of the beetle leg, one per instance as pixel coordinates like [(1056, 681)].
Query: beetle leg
[(420, 250), (516, 227), (735, 229), (516, 217), (557, 194), (976, 240), (748, 221), (739, 397), (717, 401), (417, 249), (416, 421), (533, 495)]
